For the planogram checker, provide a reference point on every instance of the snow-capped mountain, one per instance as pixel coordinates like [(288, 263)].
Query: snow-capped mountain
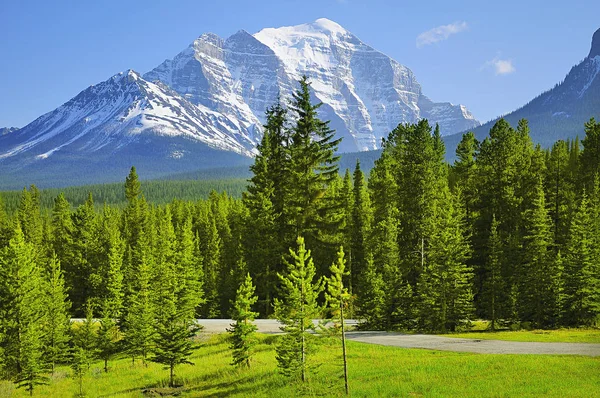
[(365, 93), (206, 106), (559, 113), (119, 111)]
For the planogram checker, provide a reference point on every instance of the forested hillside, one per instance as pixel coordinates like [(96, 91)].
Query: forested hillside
[(510, 232)]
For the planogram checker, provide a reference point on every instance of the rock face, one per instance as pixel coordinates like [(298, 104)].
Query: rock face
[(7, 130), (206, 106), (559, 113), (122, 110), (365, 94)]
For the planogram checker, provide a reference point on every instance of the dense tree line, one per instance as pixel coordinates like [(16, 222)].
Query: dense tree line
[(510, 232)]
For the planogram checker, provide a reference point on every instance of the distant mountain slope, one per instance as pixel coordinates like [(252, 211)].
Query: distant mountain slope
[(99, 134), (561, 112), (7, 130)]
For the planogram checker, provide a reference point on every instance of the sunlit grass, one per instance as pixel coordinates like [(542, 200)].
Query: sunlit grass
[(375, 371), (565, 335)]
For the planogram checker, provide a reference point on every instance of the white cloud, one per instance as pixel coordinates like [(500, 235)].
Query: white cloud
[(500, 66), (440, 33)]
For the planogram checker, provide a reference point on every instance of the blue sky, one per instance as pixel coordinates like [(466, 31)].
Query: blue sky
[(492, 57)]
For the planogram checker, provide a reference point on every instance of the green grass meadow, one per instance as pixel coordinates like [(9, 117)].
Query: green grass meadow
[(542, 336), (374, 371)]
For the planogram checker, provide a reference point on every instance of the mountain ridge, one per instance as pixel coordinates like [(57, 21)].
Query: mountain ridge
[(557, 113)]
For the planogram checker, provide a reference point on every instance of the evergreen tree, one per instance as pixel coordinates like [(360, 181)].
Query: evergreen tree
[(536, 297), (464, 174), (581, 295), (313, 166), (172, 344), (590, 155), (337, 298), (57, 320), (175, 324), (296, 310), (111, 274), (211, 253), (560, 191), (22, 310), (139, 321), (493, 283), (85, 336), (372, 300), (31, 359), (62, 230), (444, 287), (107, 337), (134, 221), (28, 215), (81, 275), (79, 366), (359, 230), (242, 331)]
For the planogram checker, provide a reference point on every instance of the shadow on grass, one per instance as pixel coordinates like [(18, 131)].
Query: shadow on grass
[(246, 386)]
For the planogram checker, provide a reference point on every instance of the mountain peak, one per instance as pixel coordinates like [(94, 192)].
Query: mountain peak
[(129, 73), (595, 50), (328, 25)]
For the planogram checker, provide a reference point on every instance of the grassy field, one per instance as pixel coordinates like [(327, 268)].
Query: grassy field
[(373, 371), (579, 335)]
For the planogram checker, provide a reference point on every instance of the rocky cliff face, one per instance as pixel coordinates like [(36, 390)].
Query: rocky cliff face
[(364, 92)]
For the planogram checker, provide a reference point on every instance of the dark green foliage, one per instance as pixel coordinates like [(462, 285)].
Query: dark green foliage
[(444, 287), (313, 167), (372, 300), (492, 290), (581, 295), (538, 302), (139, 321), (590, 156), (242, 331), (175, 319), (57, 320)]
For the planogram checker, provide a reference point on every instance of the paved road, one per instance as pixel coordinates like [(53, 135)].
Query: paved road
[(431, 342)]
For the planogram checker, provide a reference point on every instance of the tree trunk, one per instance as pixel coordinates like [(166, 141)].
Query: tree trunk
[(171, 384), (344, 348)]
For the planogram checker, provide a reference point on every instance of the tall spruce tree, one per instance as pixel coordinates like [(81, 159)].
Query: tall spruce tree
[(57, 319), (338, 298), (537, 301), (313, 166), (360, 223), (242, 331), (492, 289), (175, 324), (444, 287), (139, 320), (590, 155), (22, 311), (371, 309), (296, 309), (581, 294)]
